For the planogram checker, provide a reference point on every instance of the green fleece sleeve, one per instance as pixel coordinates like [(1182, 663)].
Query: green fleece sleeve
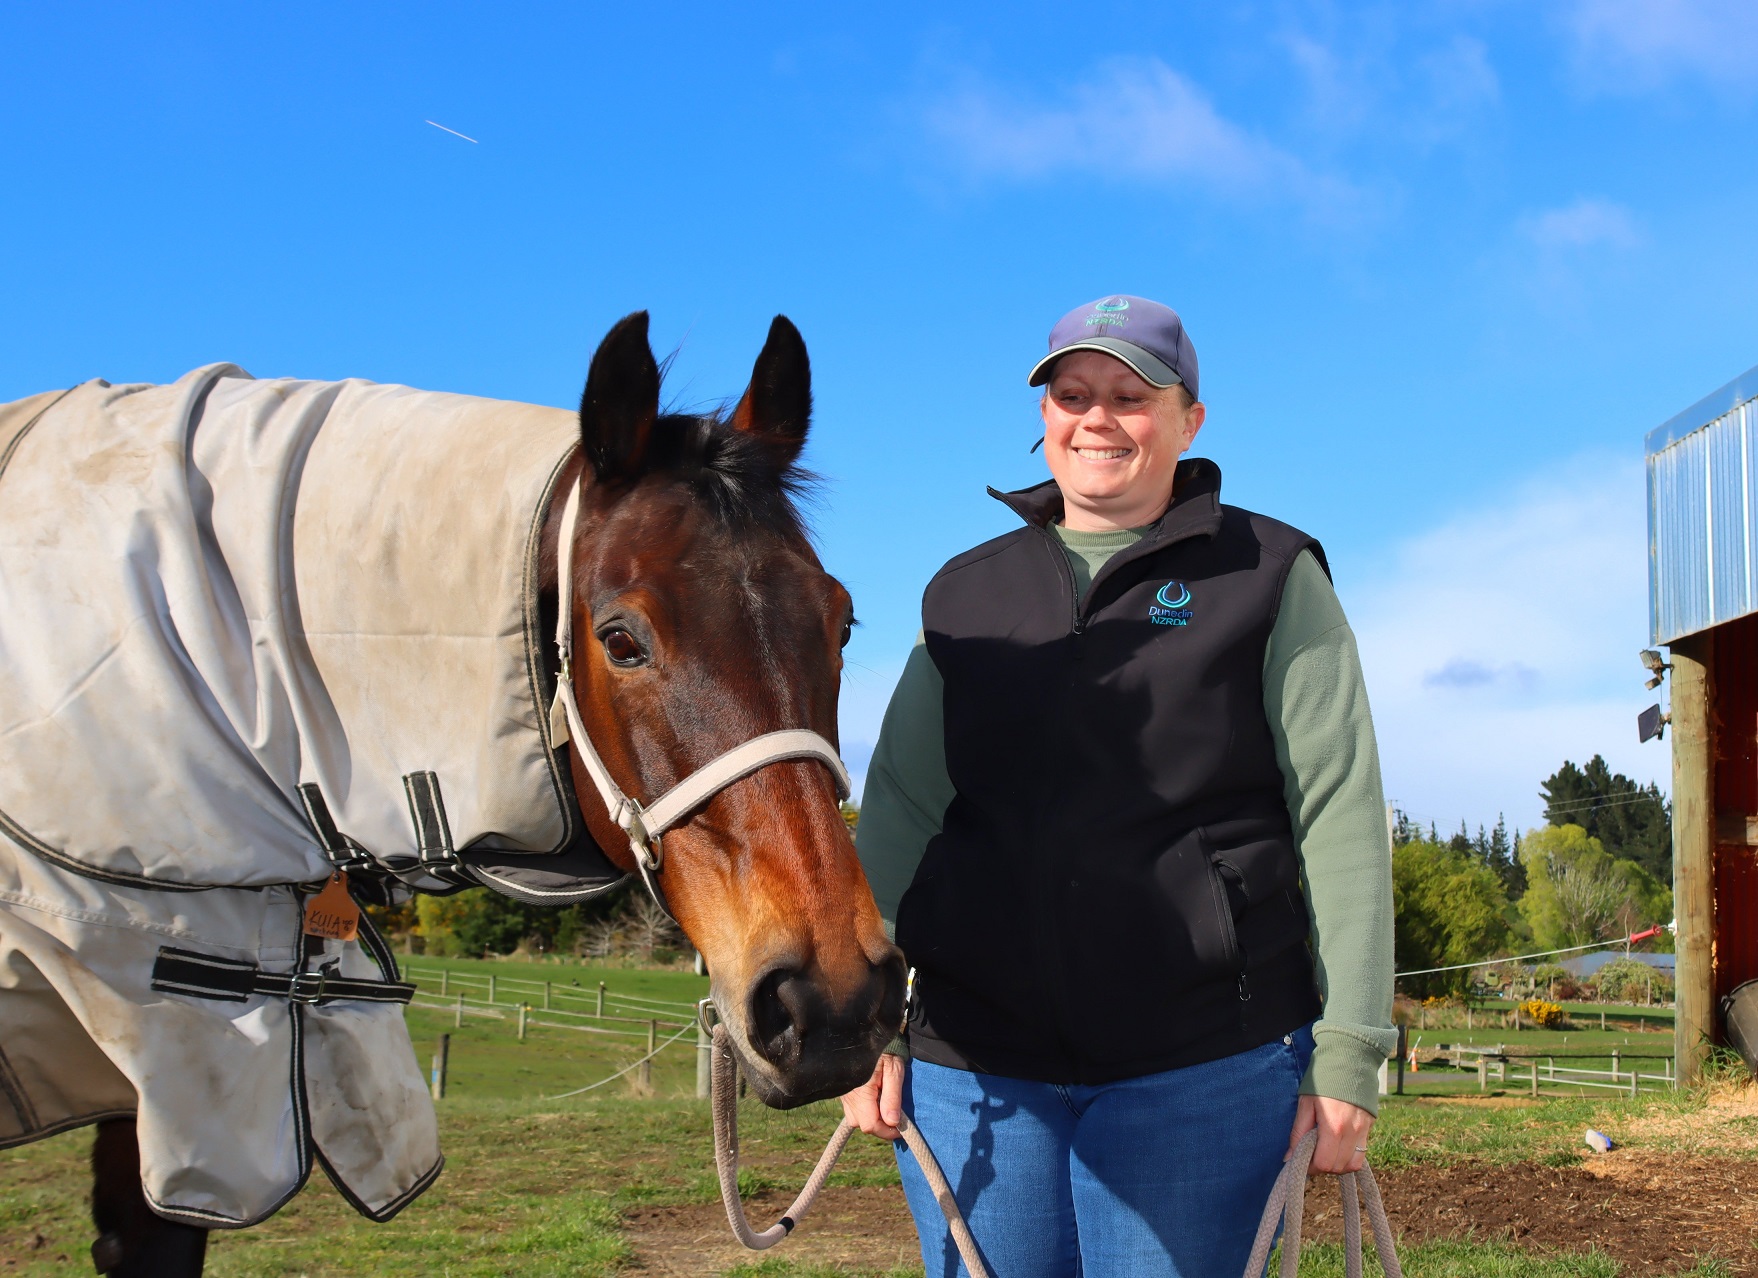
[(907, 787), (1316, 703)]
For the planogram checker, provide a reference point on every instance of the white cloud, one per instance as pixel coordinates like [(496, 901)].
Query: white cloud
[(1587, 223), (1459, 81), (1635, 45), (1369, 81), (1130, 121), (1501, 643)]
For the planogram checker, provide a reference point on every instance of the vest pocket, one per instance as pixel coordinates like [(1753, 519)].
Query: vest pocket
[(1231, 897)]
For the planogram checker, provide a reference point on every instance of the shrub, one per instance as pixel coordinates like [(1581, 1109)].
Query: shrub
[(1624, 980), (1544, 1015)]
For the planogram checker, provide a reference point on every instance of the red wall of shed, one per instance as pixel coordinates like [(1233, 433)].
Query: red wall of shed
[(1734, 716)]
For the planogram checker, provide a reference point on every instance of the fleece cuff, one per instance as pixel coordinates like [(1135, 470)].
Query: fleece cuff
[(1346, 1064)]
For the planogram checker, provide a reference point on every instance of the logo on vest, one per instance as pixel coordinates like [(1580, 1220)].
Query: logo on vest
[(1171, 605)]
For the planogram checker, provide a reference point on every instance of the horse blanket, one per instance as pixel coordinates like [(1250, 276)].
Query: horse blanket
[(252, 632)]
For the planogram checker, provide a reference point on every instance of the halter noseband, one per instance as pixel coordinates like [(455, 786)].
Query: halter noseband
[(644, 824)]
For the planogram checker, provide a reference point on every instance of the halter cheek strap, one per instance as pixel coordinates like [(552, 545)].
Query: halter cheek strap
[(644, 824)]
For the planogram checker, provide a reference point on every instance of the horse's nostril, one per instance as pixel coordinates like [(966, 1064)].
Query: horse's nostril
[(778, 1016)]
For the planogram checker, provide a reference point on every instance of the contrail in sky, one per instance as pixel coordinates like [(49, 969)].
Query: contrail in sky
[(453, 132)]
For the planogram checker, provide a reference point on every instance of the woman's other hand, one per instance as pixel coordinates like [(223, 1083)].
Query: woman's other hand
[(1342, 1132), (876, 1106)]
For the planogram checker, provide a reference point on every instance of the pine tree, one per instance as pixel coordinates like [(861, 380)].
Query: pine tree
[(1633, 822), (1504, 858)]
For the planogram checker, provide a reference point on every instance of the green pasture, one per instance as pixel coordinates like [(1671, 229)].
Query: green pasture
[(540, 1186)]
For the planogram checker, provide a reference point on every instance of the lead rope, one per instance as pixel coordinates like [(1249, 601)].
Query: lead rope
[(1289, 1196), (726, 1163)]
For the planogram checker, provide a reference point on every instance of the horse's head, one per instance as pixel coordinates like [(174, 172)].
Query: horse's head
[(702, 619)]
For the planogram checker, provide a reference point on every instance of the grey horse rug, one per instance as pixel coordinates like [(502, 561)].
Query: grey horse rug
[(253, 633)]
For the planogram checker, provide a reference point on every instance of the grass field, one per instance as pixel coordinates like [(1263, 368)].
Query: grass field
[(540, 1186)]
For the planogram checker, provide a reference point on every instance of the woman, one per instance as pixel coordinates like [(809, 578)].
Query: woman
[(1125, 818)]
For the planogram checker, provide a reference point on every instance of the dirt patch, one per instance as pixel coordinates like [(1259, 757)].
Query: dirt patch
[(1653, 1214), (867, 1228)]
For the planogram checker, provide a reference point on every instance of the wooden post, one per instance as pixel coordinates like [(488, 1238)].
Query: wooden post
[(444, 973), (491, 987), (546, 996), (1483, 1073), (601, 999), (441, 1059), (652, 1046), (458, 1023), (1634, 1076), (1617, 1060), (1535, 1075), (523, 1009), (1693, 854), (1602, 1020)]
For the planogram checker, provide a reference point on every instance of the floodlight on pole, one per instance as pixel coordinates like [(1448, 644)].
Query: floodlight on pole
[(1651, 724)]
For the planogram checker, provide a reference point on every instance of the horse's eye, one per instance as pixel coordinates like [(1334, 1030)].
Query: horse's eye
[(848, 629), (620, 647)]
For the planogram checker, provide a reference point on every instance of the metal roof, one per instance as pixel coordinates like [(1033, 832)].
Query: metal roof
[(1702, 524), (1717, 403)]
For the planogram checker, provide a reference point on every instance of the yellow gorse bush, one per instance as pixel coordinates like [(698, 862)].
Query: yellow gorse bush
[(1546, 1015)]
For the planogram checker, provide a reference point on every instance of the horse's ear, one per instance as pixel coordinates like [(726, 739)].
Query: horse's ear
[(621, 402), (778, 403)]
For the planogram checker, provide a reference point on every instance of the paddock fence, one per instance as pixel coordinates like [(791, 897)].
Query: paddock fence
[(533, 1004)]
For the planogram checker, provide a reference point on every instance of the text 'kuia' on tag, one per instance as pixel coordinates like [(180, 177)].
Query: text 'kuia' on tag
[(332, 913)]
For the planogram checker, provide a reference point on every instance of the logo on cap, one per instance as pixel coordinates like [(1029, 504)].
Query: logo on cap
[(1110, 311)]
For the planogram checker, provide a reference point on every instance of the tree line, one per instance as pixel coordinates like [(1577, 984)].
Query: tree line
[(1600, 868)]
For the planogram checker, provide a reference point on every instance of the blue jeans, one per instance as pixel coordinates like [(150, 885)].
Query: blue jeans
[(1163, 1176)]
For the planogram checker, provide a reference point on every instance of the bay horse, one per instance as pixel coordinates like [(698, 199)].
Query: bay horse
[(695, 617)]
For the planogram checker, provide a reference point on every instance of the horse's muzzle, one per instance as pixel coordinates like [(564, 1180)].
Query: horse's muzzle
[(814, 1044)]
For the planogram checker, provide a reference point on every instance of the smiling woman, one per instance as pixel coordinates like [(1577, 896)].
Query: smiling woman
[(1113, 439), (1125, 820)]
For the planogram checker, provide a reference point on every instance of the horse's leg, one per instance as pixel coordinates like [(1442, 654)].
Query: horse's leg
[(133, 1240)]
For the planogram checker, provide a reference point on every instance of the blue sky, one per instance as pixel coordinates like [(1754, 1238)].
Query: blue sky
[(1444, 265)]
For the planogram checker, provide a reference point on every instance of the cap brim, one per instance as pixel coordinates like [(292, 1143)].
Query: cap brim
[(1148, 366)]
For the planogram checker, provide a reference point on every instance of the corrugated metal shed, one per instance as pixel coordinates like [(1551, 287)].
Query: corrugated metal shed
[(1703, 513)]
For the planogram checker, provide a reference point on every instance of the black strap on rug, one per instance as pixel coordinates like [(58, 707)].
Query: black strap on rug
[(238, 980), (343, 852), (433, 833)]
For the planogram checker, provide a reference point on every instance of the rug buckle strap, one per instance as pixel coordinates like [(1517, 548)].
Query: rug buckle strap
[(339, 850), (433, 833)]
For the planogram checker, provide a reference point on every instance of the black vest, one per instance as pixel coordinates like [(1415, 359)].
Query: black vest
[(1115, 890)]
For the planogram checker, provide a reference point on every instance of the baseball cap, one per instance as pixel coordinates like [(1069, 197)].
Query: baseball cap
[(1147, 336)]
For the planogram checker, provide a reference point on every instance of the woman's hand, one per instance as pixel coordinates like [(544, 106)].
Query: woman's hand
[(876, 1106), (1342, 1133)]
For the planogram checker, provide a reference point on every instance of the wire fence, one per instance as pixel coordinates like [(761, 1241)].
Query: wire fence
[(537, 1004), (548, 996)]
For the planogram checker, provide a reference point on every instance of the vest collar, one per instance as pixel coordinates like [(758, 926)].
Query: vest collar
[(1195, 510)]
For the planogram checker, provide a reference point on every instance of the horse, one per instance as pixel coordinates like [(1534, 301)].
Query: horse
[(692, 692)]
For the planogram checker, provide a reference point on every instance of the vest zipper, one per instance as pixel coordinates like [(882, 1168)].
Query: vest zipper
[(1077, 624), (1233, 951)]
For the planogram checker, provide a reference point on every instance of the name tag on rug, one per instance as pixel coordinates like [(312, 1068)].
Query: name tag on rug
[(332, 913)]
